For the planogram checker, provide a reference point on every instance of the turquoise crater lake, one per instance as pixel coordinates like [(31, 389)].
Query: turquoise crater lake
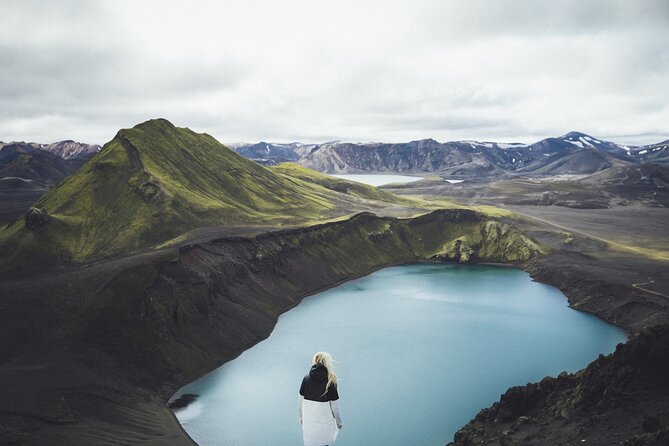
[(420, 349)]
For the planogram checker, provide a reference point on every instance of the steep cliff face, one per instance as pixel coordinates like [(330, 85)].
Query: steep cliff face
[(225, 296), (605, 287)]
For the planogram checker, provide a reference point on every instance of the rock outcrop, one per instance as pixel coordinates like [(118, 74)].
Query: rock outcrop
[(35, 218), (494, 241)]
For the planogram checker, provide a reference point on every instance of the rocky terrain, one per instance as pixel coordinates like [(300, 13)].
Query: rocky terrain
[(619, 186), (620, 399)]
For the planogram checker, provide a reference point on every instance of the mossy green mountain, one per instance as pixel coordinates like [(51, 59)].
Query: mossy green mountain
[(156, 181)]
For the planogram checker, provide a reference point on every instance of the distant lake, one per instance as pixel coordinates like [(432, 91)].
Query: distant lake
[(420, 349), (378, 180)]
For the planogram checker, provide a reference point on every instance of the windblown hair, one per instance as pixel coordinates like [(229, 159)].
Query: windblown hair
[(326, 360)]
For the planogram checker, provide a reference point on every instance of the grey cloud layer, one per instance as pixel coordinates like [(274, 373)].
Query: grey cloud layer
[(314, 71)]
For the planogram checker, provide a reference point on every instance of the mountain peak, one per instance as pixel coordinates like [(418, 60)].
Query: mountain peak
[(575, 136), (154, 124), (427, 142), (147, 130)]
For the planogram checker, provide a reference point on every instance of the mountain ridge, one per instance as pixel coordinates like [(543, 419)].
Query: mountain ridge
[(466, 157), (66, 149), (29, 170)]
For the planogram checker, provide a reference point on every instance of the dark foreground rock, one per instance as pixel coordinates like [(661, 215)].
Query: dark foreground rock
[(620, 399)]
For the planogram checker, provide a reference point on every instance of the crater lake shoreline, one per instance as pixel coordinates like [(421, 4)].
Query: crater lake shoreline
[(424, 322), (176, 366), (540, 270)]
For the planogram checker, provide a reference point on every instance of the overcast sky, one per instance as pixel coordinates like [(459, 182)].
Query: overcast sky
[(315, 71)]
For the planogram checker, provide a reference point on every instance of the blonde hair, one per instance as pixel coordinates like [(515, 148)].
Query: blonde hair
[(325, 360)]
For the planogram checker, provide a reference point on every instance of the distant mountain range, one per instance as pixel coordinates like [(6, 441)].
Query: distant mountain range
[(573, 153), (46, 164), (271, 154), (67, 149), (29, 169)]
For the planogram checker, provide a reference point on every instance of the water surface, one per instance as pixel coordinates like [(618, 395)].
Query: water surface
[(378, 179), (420, 349)]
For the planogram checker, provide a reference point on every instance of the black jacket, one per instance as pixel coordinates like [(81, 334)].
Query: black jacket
[(313, 385)]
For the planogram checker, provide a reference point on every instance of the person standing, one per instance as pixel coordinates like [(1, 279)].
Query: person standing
[(319, 403)]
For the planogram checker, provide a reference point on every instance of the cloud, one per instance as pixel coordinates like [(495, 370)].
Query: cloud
[(314, 71)]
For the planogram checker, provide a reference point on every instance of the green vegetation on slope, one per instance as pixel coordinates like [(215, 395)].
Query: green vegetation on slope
[(244, 283), (433, 203), (154, 182), (294, 170)]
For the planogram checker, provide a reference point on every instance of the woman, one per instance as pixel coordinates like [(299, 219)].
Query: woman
[(318, 403)]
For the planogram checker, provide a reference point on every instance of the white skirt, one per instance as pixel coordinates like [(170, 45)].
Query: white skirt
[(319, 427)]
